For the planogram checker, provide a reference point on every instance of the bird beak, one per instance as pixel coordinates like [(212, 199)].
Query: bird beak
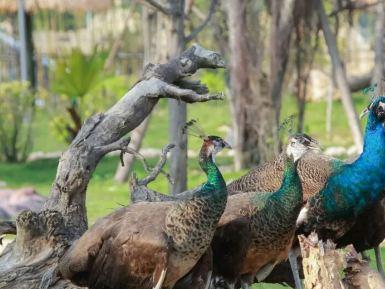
[(364, 112), (227, 145), (314, 145)]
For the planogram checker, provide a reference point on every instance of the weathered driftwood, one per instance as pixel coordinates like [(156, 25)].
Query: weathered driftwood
[(327, 268), (321, 264), (358, 274), (42, 238)]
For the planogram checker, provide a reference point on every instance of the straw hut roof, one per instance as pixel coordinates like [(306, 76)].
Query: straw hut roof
[(57, 5)]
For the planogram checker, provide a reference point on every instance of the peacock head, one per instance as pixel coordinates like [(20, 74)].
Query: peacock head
[(213, 144), (376, 108), (299, 144)]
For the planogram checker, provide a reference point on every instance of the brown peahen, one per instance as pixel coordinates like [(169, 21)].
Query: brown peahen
[(257, 229), (151, 245), (313, 169)]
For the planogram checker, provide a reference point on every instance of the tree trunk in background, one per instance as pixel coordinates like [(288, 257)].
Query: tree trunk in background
[(173, 39), (243, 94), (379, 45), (150, 54), (255, 98), (280, 36), (341, 79), (30, 49), (306, 45)]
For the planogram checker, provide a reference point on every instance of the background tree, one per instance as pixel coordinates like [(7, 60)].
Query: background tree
[(171, 41), (256, 94)]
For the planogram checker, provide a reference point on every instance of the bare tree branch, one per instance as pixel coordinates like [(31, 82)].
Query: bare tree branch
[(7, 227), (162, 7), (158, 168), (195, 85), (198, 29), (198, 13), (187, 95), (352, 6), (119, 145)]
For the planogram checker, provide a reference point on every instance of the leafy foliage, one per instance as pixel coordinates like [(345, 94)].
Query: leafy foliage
[(77, 74), (84, 89), (16, 115)]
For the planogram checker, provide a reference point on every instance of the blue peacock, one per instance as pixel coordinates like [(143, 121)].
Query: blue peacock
[(352, 188)]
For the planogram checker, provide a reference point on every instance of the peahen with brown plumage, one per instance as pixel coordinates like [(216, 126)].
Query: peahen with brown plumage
[(257, 229), (313, 168), (151, 245)]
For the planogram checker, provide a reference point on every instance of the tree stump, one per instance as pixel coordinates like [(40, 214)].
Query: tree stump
[(325, 267)]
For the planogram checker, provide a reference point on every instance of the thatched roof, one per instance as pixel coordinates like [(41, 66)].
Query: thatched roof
[(57, 5)]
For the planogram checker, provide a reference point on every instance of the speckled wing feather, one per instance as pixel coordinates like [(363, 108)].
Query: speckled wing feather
[(266, 177), (313, 168), (191, 223)]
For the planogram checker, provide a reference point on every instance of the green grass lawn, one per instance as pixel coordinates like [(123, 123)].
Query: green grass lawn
[(104, 195)]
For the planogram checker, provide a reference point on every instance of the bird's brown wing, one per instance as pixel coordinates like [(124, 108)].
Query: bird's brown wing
[(266, 177), (238, 206), (121, 250), (314, 170)]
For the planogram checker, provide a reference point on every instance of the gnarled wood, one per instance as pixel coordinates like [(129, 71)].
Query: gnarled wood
[(321, 263), (327, 268), (42, 238)]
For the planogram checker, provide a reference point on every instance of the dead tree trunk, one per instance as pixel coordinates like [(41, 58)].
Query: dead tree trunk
[(42, 238), (323, 267), (341, 79)]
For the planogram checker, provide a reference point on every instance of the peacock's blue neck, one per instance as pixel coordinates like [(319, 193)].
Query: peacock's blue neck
[(372, 157), (361, 183)]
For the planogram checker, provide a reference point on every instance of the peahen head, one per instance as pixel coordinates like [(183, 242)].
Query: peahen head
[(299, 144), (211, 146)]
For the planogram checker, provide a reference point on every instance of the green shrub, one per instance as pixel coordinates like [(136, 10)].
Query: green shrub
[(84, 89), (16, 116), (74, 76)]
